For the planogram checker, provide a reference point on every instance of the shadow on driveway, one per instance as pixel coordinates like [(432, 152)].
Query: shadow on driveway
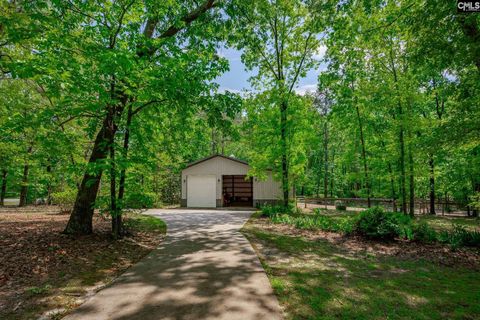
[(205, 269)]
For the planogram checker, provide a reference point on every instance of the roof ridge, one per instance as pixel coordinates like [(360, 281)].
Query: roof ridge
[(213, 156)]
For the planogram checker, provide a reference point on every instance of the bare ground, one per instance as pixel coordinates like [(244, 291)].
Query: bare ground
[(42, 269)]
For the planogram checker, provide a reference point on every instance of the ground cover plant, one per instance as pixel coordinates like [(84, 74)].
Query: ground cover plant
[(376, 223)]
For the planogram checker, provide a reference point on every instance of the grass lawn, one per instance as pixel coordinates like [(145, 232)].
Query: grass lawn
[(319, 275), (43, 271)]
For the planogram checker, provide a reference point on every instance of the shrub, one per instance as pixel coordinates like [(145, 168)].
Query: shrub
[(64, 199), (375, 223), (340, 205), (141, 200), (272, 210), (423, 232), (459, 237), (317, 222)]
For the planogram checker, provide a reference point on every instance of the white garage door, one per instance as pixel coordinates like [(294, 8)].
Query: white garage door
[(201, 191)]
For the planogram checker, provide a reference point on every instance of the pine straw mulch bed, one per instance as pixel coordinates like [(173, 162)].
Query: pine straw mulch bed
[(436, 253), (42, 269)]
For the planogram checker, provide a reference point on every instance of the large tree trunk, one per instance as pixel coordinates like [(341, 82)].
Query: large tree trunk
[(80, 221), (364, 156), (283, 137), (3, 190)]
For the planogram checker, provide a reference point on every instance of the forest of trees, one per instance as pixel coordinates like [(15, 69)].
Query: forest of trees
[(102, 103)]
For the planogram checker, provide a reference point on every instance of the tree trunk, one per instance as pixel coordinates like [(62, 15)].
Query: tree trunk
[(431, 163), (283, 137), (325, 160), (401, 138), (3, 190), (24, 187), (332, 167), (392, 188), (80, 221), (123, 172), (411, 183), (116, 217), (364, 156), (49, 185), (319, 176)]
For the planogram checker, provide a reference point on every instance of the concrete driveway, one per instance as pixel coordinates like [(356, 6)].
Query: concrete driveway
[(205, 269)]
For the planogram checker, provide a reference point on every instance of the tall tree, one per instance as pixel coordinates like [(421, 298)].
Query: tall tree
[(279, 40)]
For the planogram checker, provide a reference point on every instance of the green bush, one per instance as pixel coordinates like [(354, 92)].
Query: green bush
[(272, 210), (459, 237), (141, 200), (340, 205), (375, 223), (64, 199), (317, 222), (422, 232)]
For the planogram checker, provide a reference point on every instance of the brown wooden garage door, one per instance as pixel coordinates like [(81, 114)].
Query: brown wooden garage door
[(237, 191)]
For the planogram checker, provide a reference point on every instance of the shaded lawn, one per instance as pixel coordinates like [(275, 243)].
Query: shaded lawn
[(42, 269), (318, 279)]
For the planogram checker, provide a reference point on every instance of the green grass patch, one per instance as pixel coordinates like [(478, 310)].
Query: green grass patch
[(440, 223), (141, 222), (321, 280)]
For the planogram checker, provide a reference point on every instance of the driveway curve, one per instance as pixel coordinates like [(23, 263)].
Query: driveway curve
[(205, 269)]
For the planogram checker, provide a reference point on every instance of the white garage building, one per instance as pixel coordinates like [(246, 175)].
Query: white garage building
[(220, 181)]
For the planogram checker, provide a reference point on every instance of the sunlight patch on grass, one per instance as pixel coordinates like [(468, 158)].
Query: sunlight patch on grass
[(321, 280)]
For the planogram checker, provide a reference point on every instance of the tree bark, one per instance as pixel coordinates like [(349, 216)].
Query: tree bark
[(3, 190), (431, 164), (325, 155), (411, 183), (283, 138), (49, 184), (401, 138), (364, 156), (24, 186), (116, 217), (80, 221), (123, 172), (332, 176)]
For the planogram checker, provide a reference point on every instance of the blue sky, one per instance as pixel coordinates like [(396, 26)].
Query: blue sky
[(236, 79)]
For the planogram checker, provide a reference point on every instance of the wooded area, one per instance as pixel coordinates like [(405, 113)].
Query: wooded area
[(102, 103)]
